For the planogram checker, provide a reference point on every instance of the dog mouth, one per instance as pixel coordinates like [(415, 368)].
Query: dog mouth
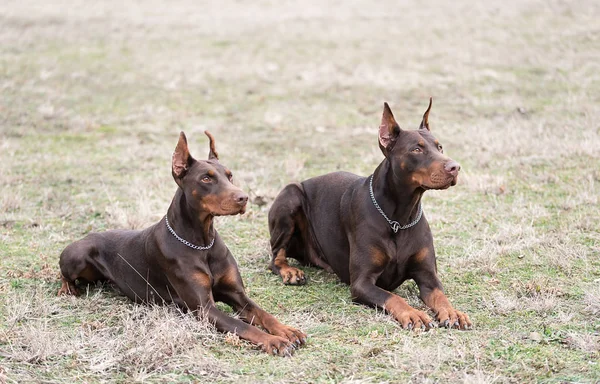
[(230, 209), (440, 184)]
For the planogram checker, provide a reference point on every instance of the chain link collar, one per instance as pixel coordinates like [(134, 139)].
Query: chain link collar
[(393, 224), (198, 247)]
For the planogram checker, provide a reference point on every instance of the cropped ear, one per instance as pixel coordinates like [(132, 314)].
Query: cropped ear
[(212, 154), (425, 121), (388, 129), (181, 157)]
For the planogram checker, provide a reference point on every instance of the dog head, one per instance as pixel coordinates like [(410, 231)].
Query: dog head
[(207, 184), (416, 157)]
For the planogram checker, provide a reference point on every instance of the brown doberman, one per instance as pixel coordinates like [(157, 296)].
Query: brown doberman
[(182, 259), (371, 231)]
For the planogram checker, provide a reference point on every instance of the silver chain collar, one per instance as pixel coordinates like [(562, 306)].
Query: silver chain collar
[(198, 247), (394, 224)]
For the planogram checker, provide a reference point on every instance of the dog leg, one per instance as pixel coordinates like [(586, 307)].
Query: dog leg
[(364, 272), (283, 217), (67, 287), (74, 265), (289, 275), (368, 293), (432, 294), (253, 314), (194, 289), (230, 289), (445, 313)]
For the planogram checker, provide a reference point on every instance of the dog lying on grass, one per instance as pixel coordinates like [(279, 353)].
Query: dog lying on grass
[(182, 259), (371, 231)]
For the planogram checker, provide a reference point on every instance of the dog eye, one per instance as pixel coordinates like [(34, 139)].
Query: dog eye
[(440, 148), (417, 150), (206, 179), (230, 177)]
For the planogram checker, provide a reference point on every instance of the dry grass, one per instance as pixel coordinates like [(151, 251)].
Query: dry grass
[(134, 341), (592, 300), (93, 97)]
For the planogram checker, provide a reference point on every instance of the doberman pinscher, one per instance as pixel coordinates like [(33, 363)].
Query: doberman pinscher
[(371, 231), (182, 259)]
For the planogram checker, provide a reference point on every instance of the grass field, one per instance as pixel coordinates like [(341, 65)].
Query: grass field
[(94, 94)]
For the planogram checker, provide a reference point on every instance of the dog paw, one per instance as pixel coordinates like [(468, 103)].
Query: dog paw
[(67, 289), (277, 345), (414, 319), (451, 318), (295, 336), (292, 276)]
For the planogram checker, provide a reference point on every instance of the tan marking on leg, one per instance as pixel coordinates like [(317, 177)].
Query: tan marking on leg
[(263, 319), (280, 260), (436, 300), (289, 275), (67, 288), (203, 280), (445, 314), (406, 315)]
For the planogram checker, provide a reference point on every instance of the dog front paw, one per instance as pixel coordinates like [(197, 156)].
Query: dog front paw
[(451, 318), (414, 319), (67, 288), (294, 335), (292, 276), (277, 345)]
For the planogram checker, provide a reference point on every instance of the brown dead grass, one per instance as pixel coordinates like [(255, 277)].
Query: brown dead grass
[(592, 300), (137, 341)]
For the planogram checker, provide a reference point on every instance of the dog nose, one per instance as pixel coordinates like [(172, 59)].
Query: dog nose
[(241, 198), (452, 167)]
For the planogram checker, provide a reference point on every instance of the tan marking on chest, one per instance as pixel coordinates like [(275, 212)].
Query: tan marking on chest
[(201, 279), (230, 278), (378, 257), (421, 255)]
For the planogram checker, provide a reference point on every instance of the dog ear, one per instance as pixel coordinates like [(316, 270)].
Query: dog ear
[(212, 154), (425, 121), (181, 157), (388, 129)]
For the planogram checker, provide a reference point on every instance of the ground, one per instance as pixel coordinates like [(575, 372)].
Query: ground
[(94, 94)]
